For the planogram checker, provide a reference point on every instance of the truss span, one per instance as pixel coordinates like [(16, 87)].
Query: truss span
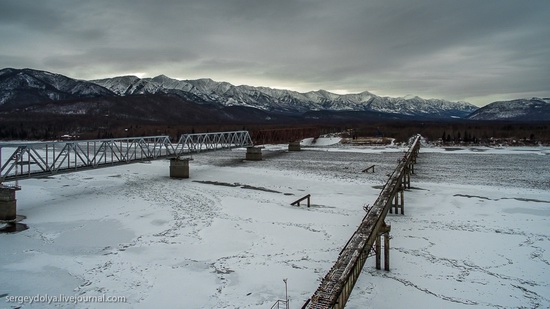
[(193, 143), (28, 160)]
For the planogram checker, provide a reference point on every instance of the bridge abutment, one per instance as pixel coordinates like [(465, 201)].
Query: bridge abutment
[(179, 167), (254, 153), (8, 203)]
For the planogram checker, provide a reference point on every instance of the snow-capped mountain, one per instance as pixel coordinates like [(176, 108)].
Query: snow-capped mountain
[(534, 109), (269, 99), (26, 87)]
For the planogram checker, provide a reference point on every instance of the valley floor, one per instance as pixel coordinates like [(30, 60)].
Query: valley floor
[(475, 232)]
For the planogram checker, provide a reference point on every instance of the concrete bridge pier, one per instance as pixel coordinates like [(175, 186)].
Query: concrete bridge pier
[(254, 153), (294, 146), (179, 167), (8, 203)]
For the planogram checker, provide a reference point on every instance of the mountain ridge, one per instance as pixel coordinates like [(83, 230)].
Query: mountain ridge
[(534, 109), (27, 86), (20, 88), (281, 100)]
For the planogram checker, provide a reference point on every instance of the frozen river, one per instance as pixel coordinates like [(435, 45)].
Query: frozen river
[(475, 232)]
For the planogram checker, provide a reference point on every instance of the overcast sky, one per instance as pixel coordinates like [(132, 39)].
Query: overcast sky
[(478, 51)]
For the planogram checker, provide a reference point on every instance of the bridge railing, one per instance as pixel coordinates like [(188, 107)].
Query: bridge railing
[(22, 160)]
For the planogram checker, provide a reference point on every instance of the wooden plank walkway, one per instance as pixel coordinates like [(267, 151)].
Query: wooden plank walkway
[(336, 286)]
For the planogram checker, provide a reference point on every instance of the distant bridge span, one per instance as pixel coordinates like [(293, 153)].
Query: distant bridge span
[(28, 160), (38, 159)]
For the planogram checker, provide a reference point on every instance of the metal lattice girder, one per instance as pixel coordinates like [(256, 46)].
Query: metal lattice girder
[(24, 160), (200, 142)]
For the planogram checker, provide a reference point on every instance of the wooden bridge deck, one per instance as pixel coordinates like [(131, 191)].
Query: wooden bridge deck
[(336, 286)]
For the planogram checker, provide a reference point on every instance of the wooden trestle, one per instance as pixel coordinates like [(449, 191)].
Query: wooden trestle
[(336, 286)]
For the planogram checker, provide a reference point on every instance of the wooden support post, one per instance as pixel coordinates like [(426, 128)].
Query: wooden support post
[(409, 177), (297, 202), (395, 204), (368, 168), (378, 250), (383, 232), (387, 251), (402, 201)]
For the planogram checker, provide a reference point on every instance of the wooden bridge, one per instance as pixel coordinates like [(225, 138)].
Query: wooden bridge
[(336, 286)]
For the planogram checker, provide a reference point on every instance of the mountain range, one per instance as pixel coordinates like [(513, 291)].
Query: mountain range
[(46, 92), (286, 101)]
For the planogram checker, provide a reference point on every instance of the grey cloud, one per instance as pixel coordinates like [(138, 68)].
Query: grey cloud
[(433, 48)]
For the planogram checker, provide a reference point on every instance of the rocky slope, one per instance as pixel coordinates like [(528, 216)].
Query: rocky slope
[(534, 109)]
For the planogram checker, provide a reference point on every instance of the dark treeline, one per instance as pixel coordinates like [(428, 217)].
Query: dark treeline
[(468, 132), (36, 126)]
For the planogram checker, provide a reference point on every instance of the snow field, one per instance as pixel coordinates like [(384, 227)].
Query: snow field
[(226, 237)]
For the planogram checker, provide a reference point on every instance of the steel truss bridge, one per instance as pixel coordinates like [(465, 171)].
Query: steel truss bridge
[(28, 160)]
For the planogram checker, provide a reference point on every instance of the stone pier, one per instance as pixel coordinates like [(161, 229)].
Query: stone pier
[(179, 167), (294, 146), (8, 203), (254, 153)]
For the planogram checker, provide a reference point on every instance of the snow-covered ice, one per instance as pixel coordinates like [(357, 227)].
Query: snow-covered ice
[(475, 231)]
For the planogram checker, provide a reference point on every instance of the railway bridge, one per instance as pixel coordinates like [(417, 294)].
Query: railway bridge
[(40, 159)]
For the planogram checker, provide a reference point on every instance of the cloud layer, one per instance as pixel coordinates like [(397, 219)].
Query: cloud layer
[(478, 51)]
